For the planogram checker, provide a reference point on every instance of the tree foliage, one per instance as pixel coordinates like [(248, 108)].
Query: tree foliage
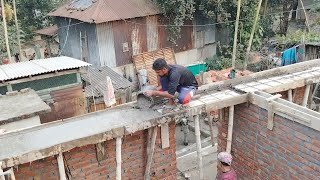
[(32, 14)]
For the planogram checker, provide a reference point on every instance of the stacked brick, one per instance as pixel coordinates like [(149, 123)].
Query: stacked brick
[(290, 151), (82, 163)]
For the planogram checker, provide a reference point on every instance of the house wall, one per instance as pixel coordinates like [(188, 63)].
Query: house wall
[(82, 162), (290, 151), (69, 37)]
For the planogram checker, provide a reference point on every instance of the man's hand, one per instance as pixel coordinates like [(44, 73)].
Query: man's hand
[(149, 93)]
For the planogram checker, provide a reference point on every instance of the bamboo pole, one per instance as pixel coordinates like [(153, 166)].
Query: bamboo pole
[(150, 151), (290, 95), (306, 95), (5, 30), (230, 129), (118, 157), (62, 171), (17, 27), (235, 39), (305, 13), (211, 129), (265, 7), (198, 141), (1, 171), (251, 35)]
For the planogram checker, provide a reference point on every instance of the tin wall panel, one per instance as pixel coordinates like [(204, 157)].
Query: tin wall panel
[(152, 33), (106, 45)]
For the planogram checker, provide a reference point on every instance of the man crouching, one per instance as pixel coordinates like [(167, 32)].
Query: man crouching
[(173, 78)]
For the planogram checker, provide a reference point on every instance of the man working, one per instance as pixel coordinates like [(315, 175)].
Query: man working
[(173, 78), (228, 173)]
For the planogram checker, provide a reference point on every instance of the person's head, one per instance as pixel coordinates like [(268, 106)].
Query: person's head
[(161, 67), (225, 159)]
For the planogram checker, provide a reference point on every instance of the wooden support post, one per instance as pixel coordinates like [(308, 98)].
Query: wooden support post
[(307, 18), (211, 129), (306, 95), (1, 171), (271, 111), (235, 39), (62, 171), (252, 34), (270, 116), (198, 141), (165, 141), (118, 157), (230, 128), (12, 176), (290, 95), (9, 173), (152, 142), (221, 114), (17, 28), (5, 30)]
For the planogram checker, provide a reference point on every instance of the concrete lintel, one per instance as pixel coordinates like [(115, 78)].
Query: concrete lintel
[(287, 110), (298, 67), (232, 101)]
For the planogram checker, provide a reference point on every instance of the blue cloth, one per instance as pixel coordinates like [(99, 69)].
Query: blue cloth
[(289, 56)]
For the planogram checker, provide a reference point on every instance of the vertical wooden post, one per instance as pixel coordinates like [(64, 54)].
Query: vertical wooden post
[(306, 95), (198, 141), (62, 171), (290, 95), (5, 29), (118, 157), (211, 129), (152, 142), (17, 27), (235, 39), (251, 35), (1, 171), (230, 129), (12, 176), (305, 13)]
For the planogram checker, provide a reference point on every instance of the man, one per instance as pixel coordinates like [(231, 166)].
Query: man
[(173, 78), (228, 173)]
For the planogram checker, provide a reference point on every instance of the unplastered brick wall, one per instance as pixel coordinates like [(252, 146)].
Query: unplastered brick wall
[(297, 95), (291, 151), (82, 163)]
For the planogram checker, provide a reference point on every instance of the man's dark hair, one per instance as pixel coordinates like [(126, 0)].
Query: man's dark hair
[(159, 64)]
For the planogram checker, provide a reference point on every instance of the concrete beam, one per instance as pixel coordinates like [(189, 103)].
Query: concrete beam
[(288, 110), (78, 131)]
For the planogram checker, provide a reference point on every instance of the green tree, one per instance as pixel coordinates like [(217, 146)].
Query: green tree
[(32, 14)]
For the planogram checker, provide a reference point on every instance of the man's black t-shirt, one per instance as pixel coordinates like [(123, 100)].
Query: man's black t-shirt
[(180, 76)]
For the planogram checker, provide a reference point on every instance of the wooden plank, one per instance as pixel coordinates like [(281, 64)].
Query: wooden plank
[(165, 141), (230, 129), (151, 152), (62, 171), (1, 172), (118, 157), (198, 142), (210, 117)]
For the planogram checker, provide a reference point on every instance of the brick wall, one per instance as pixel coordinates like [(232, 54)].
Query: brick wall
[(82, 162), (291, 151)]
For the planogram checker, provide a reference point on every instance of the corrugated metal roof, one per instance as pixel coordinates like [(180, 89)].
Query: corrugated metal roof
[(97, 80), (100, 11), (49, 31), (41, 66)]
